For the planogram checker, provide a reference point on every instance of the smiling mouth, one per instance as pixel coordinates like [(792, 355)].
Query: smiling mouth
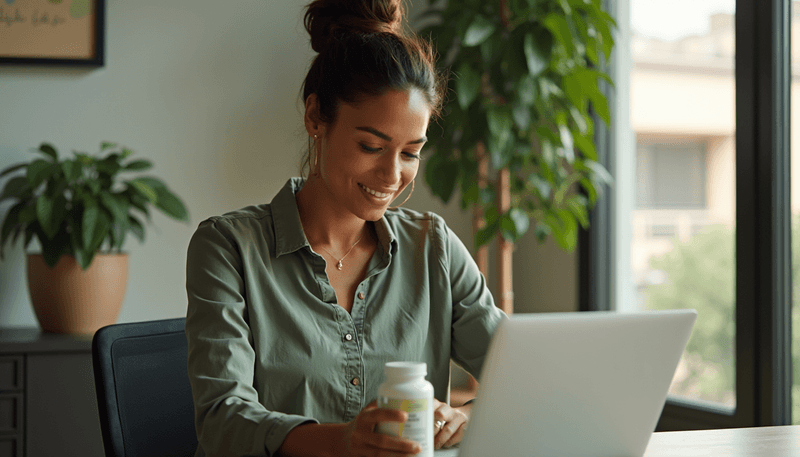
[(374, 192)]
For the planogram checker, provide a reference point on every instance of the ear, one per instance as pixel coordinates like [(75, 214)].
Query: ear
[(314, 125)]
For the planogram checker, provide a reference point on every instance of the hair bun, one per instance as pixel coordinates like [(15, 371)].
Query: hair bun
[(326, 19)]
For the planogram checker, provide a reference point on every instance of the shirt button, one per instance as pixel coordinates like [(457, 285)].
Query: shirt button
[(355, 381), (348, 337), (361, 295)]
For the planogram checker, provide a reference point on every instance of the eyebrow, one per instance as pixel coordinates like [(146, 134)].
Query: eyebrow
[(386, 137)]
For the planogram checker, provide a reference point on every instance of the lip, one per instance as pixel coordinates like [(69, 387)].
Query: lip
[(376, 193)]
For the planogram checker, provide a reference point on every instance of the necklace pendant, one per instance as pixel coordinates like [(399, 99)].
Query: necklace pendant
[(339, 265)]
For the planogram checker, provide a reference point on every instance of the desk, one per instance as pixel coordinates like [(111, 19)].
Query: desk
[(737, 442)]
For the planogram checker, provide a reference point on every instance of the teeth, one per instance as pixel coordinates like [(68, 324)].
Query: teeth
[(374, 192)]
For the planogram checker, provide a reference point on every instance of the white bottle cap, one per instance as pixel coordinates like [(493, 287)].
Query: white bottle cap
[(405, 369)]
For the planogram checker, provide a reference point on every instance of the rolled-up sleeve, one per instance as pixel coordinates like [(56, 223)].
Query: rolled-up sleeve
[(229, 418), (475, 316)]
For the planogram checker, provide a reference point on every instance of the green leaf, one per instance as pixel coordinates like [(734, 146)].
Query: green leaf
[(136, 227), (441, 175), (51, 252), (600, 173), (15, 188), (581, 120), (468, 85), (83, 257), (117, 205), (485, 234), (72, 170), (538, 49), (101, 230), (49, 150), (585, 145), (478, 31), (542, 232), (522, 116), (574, 90), (138, 165), (145, 189), (50, 213), (558, 26), (171, 205), (107, 145), (38, 171), (526, 89), (91, 216), (10, 223), (12, 169), (578, 206), (499, 122)]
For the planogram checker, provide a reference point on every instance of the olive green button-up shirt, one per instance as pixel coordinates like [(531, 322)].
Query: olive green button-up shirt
[(270, 348)]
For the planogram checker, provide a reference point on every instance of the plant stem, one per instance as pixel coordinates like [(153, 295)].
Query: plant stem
[(504, 14)]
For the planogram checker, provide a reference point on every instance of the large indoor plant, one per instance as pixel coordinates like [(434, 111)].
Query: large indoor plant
[(517, 135), (80, 209)]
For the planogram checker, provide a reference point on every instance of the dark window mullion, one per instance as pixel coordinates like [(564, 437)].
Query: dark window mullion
[(763, 250), (772, 389)]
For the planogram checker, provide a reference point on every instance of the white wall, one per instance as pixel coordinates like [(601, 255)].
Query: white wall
[(209, 93)]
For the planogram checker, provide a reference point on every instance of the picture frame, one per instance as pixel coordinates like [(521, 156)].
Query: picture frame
[(52, 32)]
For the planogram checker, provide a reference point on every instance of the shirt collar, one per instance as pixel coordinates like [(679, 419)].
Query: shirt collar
[(289, 235)]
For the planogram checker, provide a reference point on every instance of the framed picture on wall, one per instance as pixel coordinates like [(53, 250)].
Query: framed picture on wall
[(52, 32)]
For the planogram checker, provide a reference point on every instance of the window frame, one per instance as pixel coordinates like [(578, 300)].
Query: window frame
[(763, 222)]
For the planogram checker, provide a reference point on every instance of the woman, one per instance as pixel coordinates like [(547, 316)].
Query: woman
[(295, 306)]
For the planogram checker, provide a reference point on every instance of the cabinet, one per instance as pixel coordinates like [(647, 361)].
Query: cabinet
[(47, 399)]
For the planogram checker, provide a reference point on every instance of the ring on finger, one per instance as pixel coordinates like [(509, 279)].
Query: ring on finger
[(439, 424)]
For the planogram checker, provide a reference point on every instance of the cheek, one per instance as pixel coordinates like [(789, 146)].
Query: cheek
[(410, 172)]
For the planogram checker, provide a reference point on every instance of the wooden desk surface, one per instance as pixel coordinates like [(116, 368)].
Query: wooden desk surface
[(737, 442)]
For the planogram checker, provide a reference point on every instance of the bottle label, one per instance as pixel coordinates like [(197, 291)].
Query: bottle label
[(417, 428)]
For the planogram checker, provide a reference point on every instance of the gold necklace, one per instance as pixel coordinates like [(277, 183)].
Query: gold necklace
[(339, 264)]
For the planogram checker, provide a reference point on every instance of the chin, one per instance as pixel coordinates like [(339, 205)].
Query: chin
[(371, 215)]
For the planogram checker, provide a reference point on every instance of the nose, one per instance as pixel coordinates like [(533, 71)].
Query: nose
[(390, 168)]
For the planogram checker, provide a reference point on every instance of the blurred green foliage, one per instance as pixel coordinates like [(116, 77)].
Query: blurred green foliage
[(700, 274)]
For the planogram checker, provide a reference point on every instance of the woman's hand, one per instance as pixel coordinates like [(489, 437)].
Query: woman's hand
[(356, 438), (453, 424), (361, 438)]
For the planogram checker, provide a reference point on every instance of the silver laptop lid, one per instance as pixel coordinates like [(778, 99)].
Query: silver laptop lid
[(586, 384)]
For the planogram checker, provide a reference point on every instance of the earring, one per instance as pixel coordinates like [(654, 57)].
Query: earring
[(409, 196)]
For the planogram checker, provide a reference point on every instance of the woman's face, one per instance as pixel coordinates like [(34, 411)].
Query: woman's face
[(372, 151)]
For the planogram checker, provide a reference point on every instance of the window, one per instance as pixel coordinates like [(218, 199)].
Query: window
[(671, 175), (699, 215)]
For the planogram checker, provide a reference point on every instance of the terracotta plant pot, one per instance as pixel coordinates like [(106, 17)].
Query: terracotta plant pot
[(67, 299)]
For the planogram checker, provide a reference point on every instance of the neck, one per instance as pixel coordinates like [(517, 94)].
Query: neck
[(324, 222)]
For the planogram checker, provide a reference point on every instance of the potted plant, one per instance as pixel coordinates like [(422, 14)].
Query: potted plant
[(517, 134), (80, 209)]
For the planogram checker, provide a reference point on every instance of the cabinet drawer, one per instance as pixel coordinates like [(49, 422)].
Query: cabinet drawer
[(11, 414), (11, 370), (10, 446)]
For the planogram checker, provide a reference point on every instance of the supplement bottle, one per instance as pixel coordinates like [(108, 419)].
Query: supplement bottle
[(406, 389)]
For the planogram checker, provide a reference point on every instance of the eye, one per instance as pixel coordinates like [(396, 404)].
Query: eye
[(366, 148), (412, 155)]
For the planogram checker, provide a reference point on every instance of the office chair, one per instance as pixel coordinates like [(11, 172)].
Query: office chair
[(143, 392)]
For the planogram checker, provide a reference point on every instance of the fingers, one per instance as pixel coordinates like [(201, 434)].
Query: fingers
[(365, 441), (449, 426), (369, 417), (377, 444)]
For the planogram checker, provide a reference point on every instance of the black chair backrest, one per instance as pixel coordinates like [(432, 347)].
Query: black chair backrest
[(143, 392)]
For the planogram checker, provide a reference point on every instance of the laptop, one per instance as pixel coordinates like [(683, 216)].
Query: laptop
[(589, 384)]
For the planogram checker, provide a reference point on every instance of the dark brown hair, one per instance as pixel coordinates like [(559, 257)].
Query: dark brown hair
[(363, 50)]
